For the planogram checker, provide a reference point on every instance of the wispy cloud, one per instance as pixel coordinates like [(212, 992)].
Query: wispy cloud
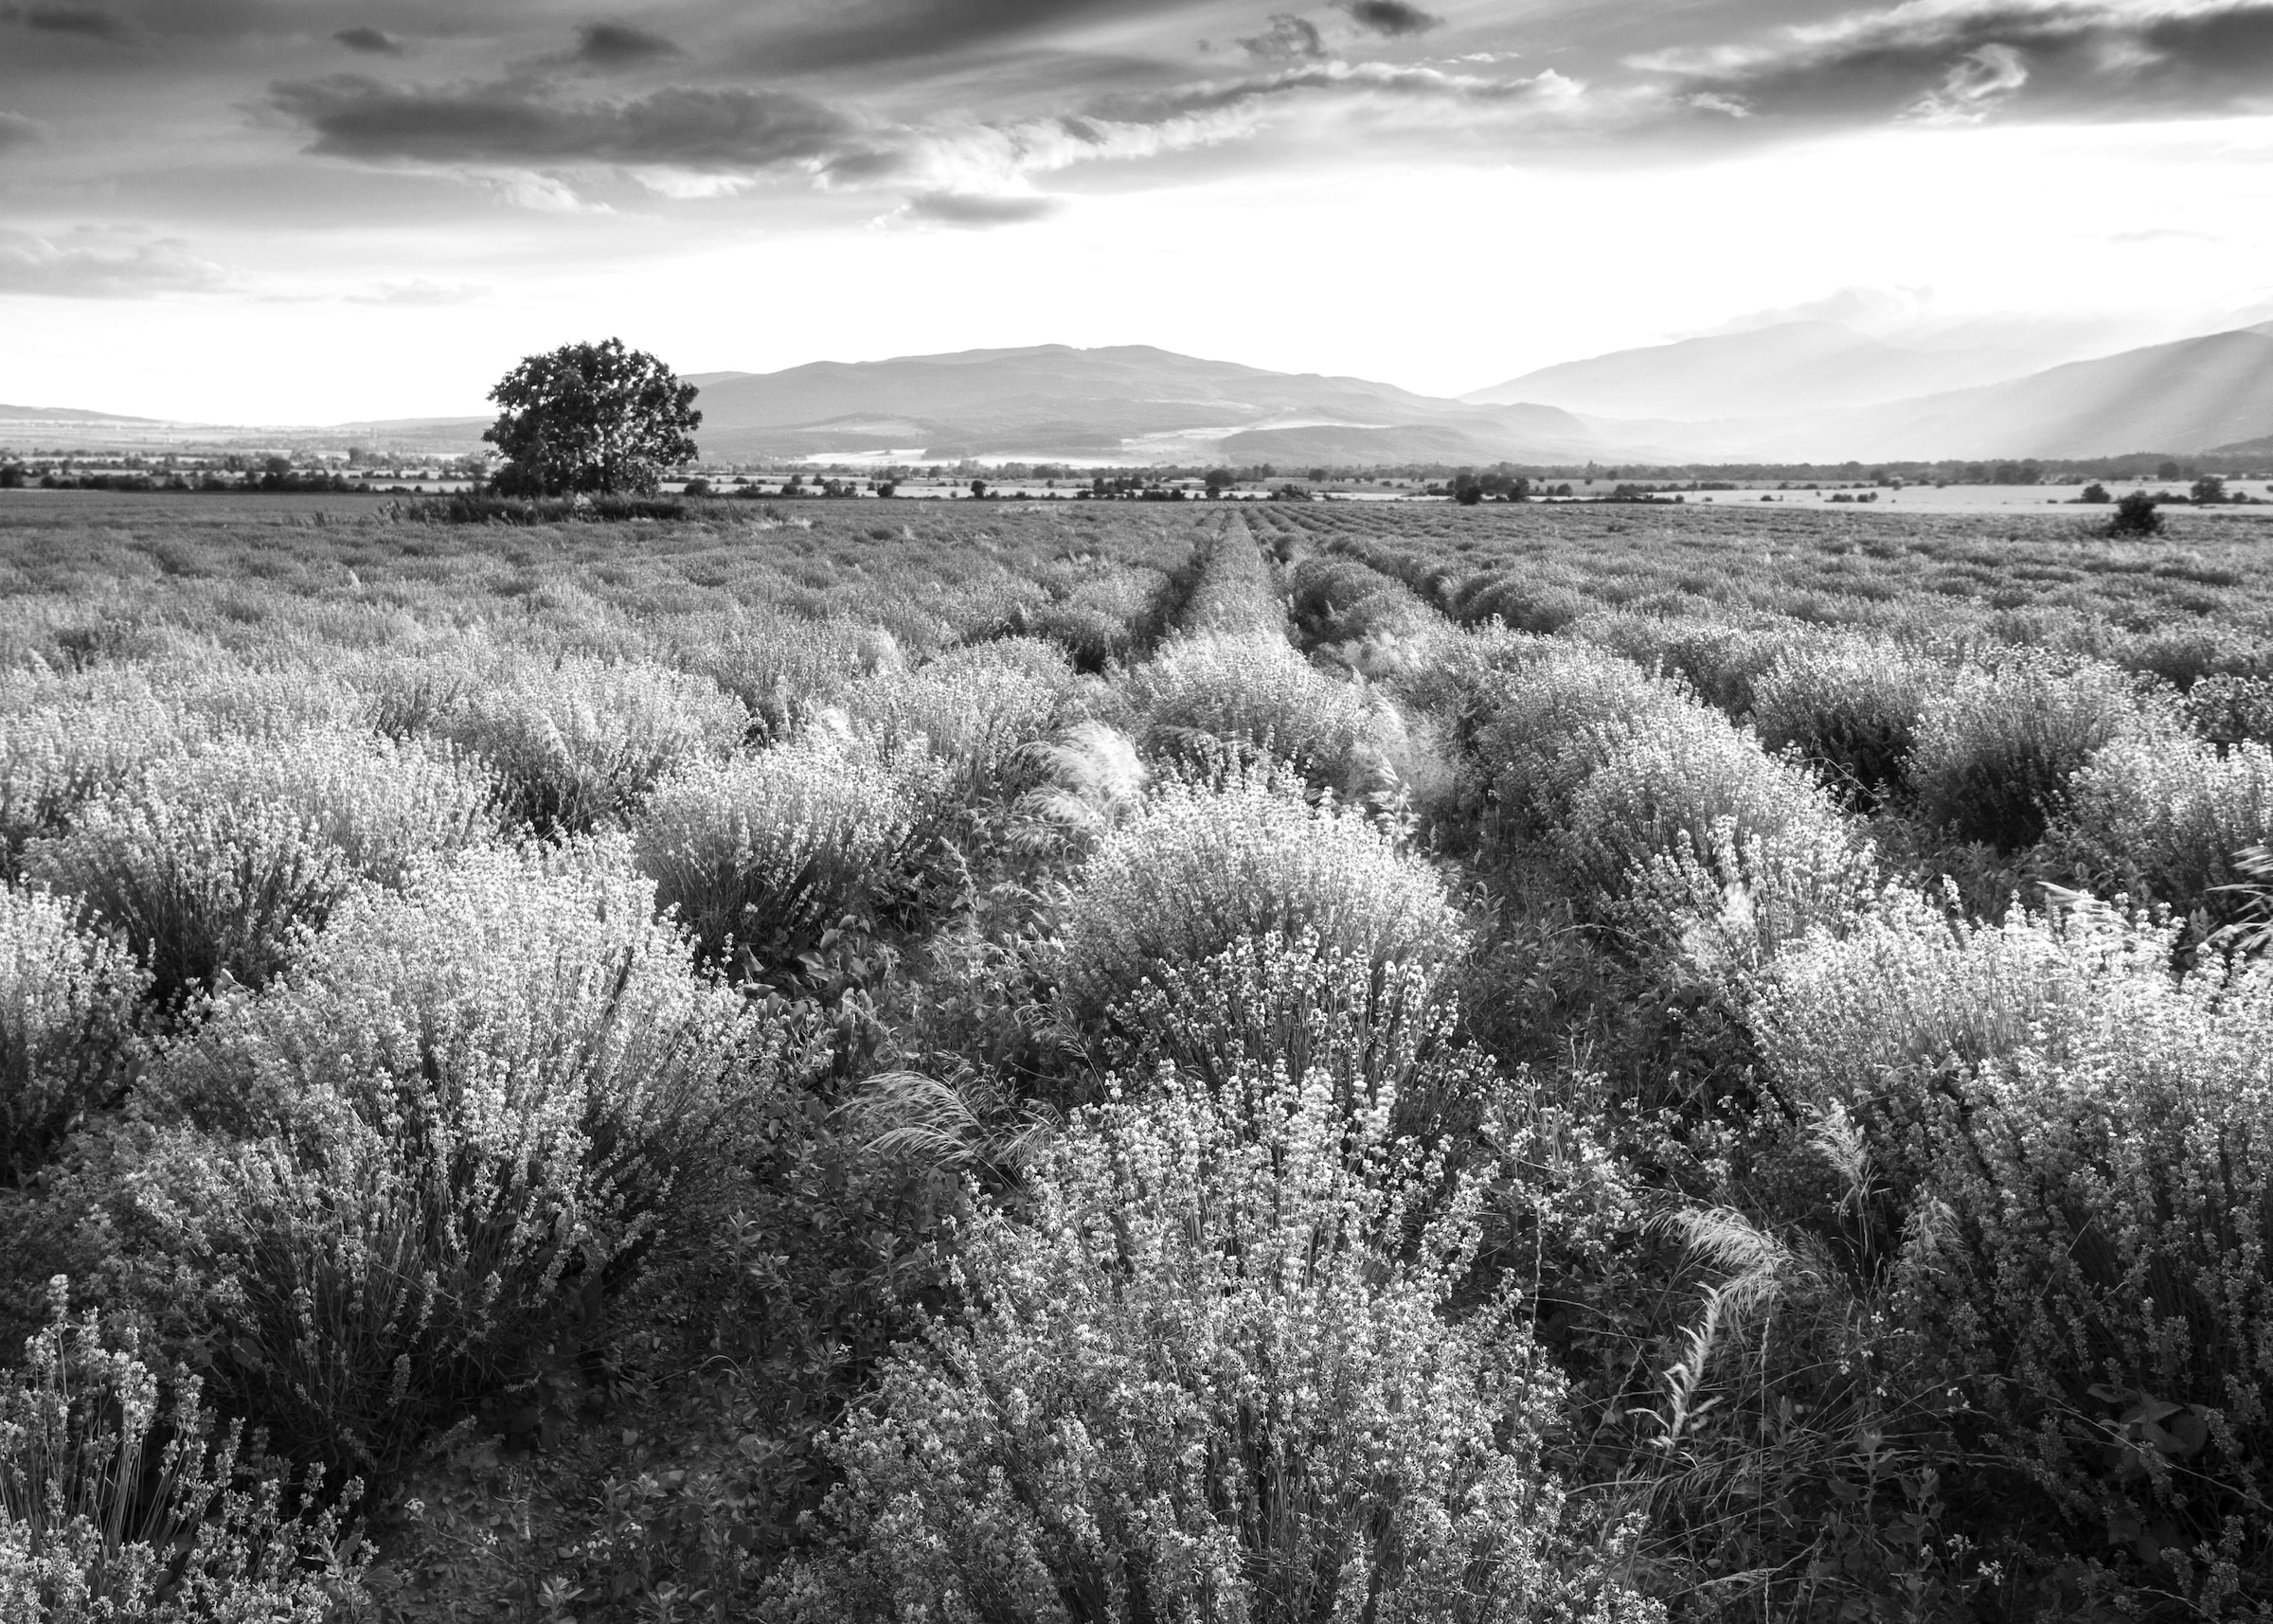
[(101, 265), (18, 131), (973, 209), (1964, 61)]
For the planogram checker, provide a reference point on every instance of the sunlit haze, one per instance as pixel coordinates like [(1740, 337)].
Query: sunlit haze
[(253, 211)]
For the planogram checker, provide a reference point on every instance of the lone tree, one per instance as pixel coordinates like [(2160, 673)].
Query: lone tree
[(591, 420)]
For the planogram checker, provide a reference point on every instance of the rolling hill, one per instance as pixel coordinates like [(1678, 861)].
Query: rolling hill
[(1800, 365), (2182, 398), (1129, 401)]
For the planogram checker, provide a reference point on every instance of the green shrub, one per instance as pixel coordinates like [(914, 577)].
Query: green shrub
[(580, 741), (113, 1509), (2160, 820), (1997, 745), (1234, 591), (2228, 710), (1204, 692), (384, 1184), (1204, 866), (68, 1043), (764, 851), (1216, 1375), (1849, 705), (974, 708), (1338, 600), (784, 668), (1546, 726), (1272, 1000), (2084, 1146), (207, 861), (65, 749), (1720, 663), (1682, 781)]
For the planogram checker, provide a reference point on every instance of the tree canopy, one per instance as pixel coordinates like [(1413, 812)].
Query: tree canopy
[(591, 420)]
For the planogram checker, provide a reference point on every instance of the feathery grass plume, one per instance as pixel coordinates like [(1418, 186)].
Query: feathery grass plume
[(1850, 706), (1997, 745), (62, 744), (68, 1037), (580, 741), (975, 708), (207, 861), (1753, 1266), (1092, 781), (1208, 865), (377, 1187), (763, 851), (1216, 1374), (116, 1505), (2161, 820), (1214, 688)]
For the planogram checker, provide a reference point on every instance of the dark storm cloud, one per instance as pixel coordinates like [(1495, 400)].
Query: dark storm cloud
[(518, 124), (1291, 39), (1391, 17), (84, 20), (370, 39), (954, 208), (1964, 63), (616, 45), (17, 130), (887, 31)]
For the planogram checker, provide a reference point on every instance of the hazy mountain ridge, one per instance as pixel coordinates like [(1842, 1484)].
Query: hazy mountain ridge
[(1134, 403)]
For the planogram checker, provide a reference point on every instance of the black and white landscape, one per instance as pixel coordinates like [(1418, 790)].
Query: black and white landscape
[(1136, 811)]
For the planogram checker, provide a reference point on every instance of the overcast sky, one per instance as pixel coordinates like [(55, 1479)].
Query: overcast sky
[(296, 210)]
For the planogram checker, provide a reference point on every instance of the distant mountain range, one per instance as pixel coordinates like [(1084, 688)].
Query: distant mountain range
[(1800, 365), (1802, 391), (1819, 391), (1127, 402)]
